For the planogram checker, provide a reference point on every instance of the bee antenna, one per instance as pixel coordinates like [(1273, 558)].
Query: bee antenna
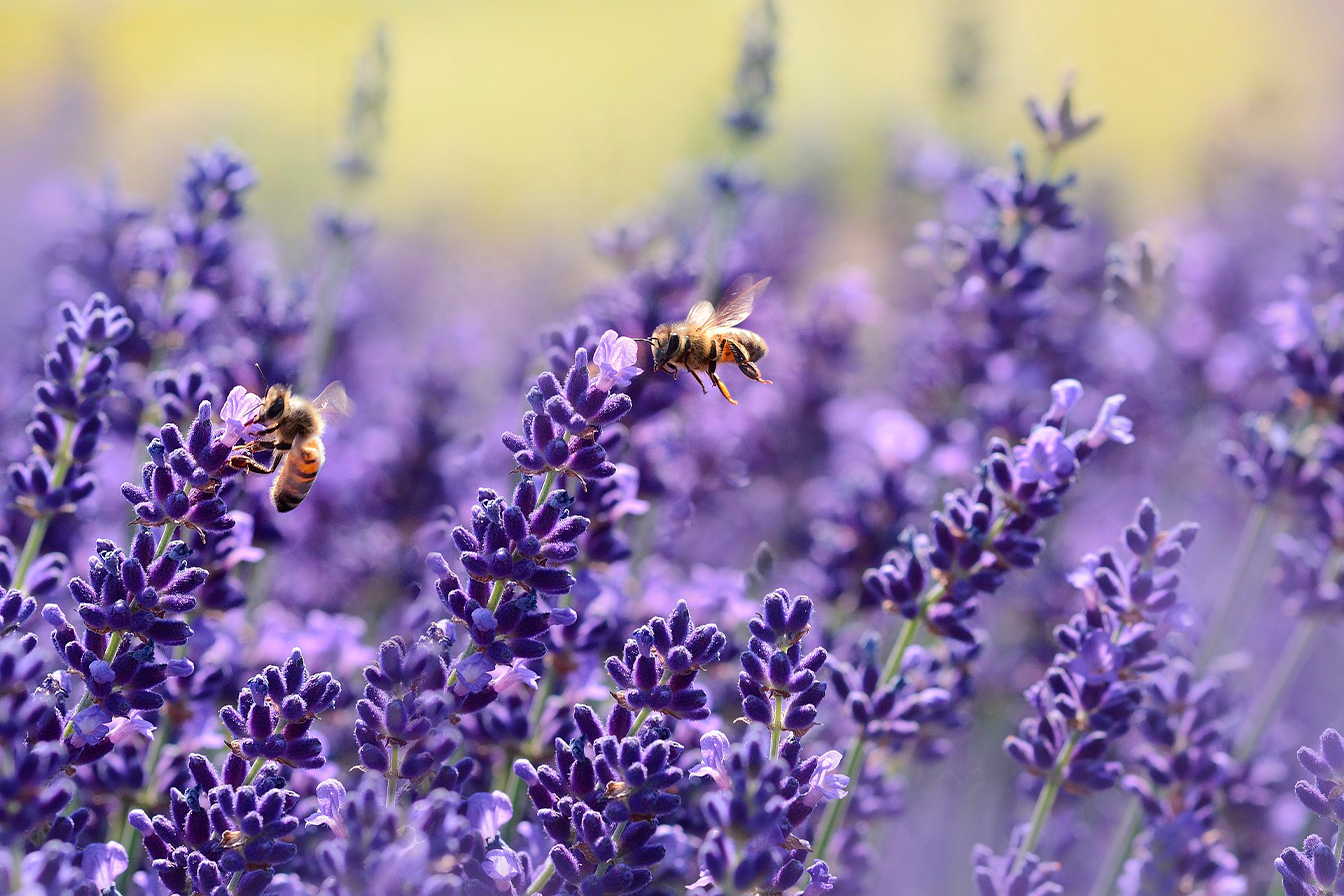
[(264, 385), (642, 339)]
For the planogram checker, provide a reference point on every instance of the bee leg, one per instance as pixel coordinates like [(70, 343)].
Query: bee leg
[(703, 390), (251, 465), (669, 366), (751, 371), (248, 464), (722, 388)]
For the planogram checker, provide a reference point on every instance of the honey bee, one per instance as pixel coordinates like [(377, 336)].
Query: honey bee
[(709, 336), (293, 433)]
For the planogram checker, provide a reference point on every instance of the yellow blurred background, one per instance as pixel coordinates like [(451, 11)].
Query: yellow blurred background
[(521, 118)]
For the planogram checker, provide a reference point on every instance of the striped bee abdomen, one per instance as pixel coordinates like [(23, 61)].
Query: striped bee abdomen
[(737, 344), (297, 473)]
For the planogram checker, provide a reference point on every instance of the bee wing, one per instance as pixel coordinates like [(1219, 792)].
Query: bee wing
[(700, 315), (736, 304), (333, 403)]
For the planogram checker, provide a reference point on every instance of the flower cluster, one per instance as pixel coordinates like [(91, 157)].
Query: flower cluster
[(657, 669), (778, 683), (226, 834), (181, 480), (31, 792), (981, 534), (402, 729), (1184, 764), (1089, 696), (67, 426), (1314, 870), (274, 714), (561, 432), (521, 542), (130, 604), (767, 795)]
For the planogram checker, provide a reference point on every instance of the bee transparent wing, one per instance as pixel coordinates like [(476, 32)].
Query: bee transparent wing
[(333, 403), (736, 304), (700, 315)]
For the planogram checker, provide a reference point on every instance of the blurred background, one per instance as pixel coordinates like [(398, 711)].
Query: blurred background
[(532, 122)]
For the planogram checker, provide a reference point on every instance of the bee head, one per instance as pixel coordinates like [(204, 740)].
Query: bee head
[(274, 404), (665, 344)]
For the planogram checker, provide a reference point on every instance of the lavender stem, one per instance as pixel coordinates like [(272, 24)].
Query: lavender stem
[(1285, 670)]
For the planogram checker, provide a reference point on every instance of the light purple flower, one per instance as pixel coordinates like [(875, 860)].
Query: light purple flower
[(502, 867), (1110, 426), (1047, 457), (90, 726), (102, 863), (487, 813), (125, 727), (704, 880), (513, 677), (238, 414), (614, 359), (714, 759), (826, 781), (1084, 578), (473, 674), (483, 619), (821, 879), (1063, 396), (1098, 661), (330, 806)]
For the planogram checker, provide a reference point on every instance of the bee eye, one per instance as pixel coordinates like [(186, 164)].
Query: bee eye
[(274, 410), (674, 344)]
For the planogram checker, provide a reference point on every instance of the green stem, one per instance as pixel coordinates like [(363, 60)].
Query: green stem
[(1045, 801), (1216, 631), (835, 812), (36, 533), (836, 809), (113, 645), (906, 637), (544, 875), (547, 485), (252, 772), (777, 726), (1285, 670), (392, 772), (164, 540), (1118, 851), (496, 593)]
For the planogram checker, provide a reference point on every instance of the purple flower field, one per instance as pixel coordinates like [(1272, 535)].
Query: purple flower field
[(1020, 573)]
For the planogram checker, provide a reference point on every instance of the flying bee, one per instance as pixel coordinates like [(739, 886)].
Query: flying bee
[(709, 336), (293, 435)]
